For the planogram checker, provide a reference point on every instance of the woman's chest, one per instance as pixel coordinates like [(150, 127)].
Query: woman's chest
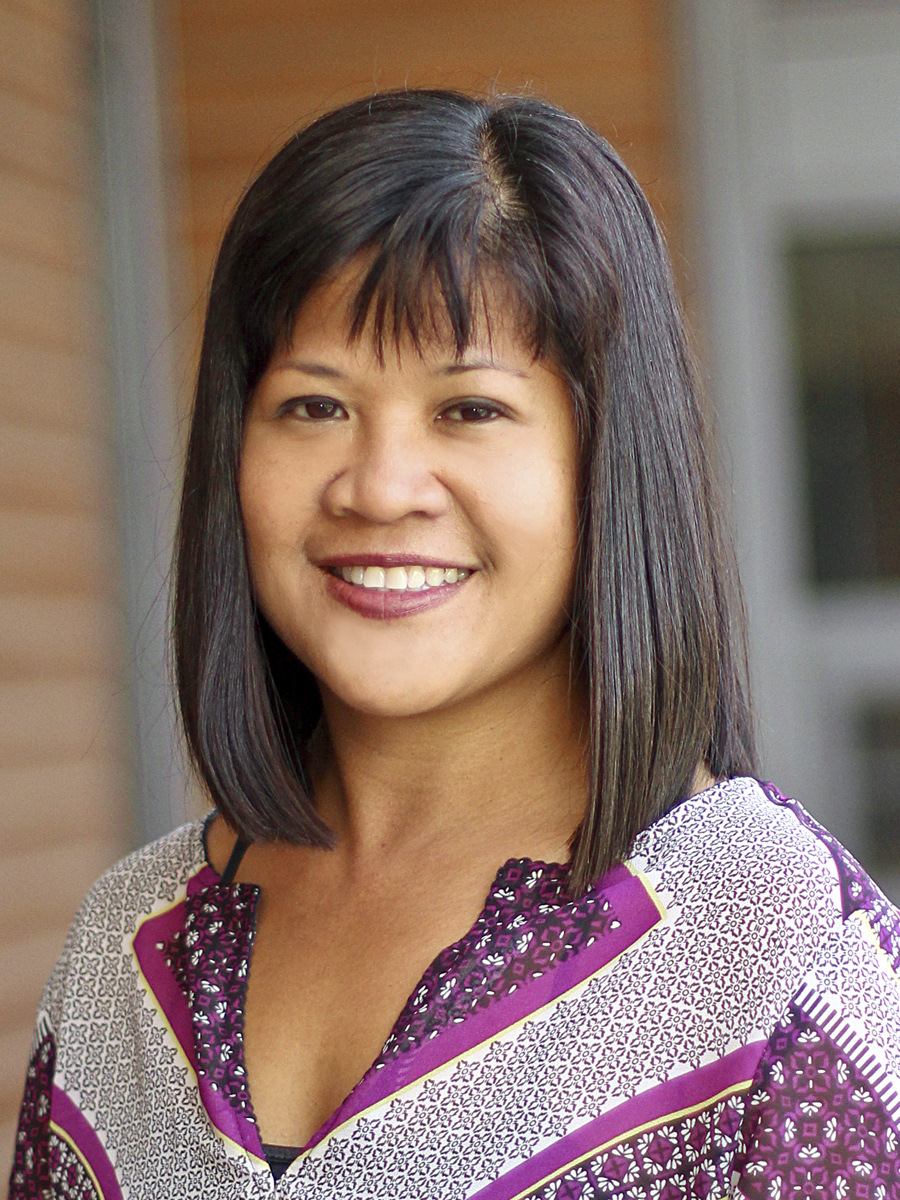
[(326, 986)]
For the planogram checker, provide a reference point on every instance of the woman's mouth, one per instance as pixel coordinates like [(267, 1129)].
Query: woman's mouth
[(400, 579), (385, 592)]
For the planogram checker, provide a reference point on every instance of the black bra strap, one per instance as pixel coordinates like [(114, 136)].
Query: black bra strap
[(240, 849)]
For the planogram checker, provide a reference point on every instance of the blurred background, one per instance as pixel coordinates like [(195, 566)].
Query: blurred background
[(767, 136)]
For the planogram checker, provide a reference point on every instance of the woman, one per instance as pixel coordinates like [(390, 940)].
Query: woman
[(455, 618)]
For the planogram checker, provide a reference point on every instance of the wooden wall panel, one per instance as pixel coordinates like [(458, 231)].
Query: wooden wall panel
[(253, 72), (65, 803)]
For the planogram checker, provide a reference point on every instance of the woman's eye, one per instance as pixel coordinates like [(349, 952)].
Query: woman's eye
[(317, 408), (472, 411)]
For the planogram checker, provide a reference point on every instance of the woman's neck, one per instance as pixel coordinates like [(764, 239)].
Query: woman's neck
[(504, 772)]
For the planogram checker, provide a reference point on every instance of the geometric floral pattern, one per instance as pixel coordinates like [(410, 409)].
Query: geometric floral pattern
[(209, 957), (816, 1128), (30, 1177), (859, 892), (687, 1159), (752, 909), (528, 925)]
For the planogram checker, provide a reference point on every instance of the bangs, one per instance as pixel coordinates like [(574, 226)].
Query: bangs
[(453, 290), (445, 251), (451, 237)]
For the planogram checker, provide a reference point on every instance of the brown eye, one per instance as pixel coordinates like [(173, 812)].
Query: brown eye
[(316, 408), (472, 411)]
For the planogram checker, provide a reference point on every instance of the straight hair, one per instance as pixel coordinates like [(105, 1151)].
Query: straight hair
[(454, 201)]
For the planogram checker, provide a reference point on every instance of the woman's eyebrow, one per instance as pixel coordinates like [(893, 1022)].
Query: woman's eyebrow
[(320, 370), (479, 364)]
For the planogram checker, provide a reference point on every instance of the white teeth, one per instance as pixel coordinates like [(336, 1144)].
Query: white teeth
[(395, 579), (402, 579)]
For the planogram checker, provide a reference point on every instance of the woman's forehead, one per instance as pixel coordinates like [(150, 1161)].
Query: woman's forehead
[(330, 316), (326, 349)]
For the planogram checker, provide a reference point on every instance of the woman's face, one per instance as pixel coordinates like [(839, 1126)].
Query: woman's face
[(411, 524)]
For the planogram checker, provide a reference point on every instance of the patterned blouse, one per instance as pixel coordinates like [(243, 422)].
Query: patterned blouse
[(718, 1017)]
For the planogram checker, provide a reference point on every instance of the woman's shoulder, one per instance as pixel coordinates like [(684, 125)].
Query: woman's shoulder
[(743, 856), (147, 878), (766, 921), (145, 882)]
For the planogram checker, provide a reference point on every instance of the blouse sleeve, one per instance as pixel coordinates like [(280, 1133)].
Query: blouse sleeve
[(30, 1176), (36, 1149), (823, 1113)]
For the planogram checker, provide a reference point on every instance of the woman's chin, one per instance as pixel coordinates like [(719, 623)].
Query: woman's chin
[(397, 699)]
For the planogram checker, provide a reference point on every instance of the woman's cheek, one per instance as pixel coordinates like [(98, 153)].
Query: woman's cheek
[(536, 518), (273, 489)]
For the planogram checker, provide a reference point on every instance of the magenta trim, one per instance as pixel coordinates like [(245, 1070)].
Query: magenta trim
[(152, 933), (204, 878), (638, 914), (694, 1090), (70, 1119)]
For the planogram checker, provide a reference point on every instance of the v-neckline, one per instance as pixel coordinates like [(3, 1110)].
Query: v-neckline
[(504, 891), (278, 1152), (507, 886)]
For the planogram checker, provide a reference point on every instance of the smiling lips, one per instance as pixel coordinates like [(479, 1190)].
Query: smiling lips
[(401, 579), (386, 589)]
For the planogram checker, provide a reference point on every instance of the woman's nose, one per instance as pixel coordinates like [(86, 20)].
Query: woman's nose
[(389, 475)]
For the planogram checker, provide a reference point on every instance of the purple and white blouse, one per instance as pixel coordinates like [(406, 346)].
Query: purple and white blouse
[(718, 1017)]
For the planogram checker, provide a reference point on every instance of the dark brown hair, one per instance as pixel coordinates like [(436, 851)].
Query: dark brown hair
[(450, 195)]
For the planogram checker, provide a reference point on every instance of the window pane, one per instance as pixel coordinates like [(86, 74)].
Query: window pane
[(846, 299)]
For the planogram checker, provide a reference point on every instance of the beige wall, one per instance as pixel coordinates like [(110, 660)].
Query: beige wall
[(253, 72), (64, 798)]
